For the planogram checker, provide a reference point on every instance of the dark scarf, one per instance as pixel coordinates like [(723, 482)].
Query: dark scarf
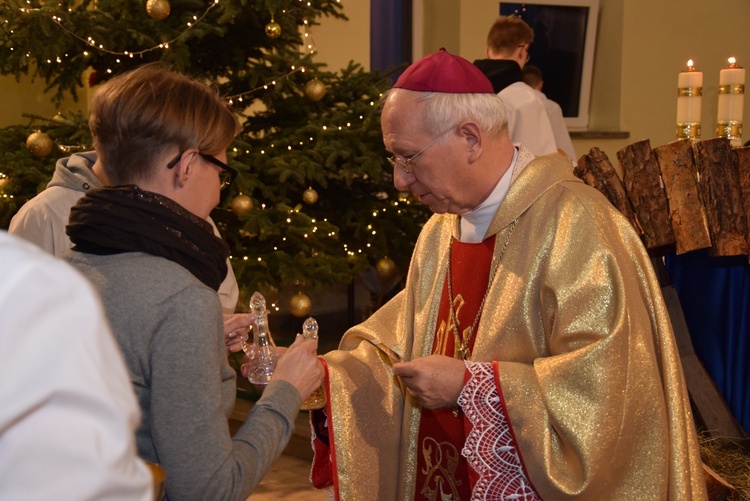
[(120, 219), (501, 72)]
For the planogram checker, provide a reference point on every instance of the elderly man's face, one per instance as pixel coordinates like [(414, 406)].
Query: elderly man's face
[(437, 176)]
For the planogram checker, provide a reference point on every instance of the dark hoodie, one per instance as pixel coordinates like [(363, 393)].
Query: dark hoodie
[(501, 72)]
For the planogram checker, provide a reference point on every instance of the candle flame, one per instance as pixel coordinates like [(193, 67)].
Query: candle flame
[(690, 63), (732, 62)]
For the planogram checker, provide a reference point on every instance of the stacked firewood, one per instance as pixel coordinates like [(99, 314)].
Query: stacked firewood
[(684, 195)]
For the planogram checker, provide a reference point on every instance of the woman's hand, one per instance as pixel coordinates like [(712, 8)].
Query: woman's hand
[(237, 329), (300, 367)]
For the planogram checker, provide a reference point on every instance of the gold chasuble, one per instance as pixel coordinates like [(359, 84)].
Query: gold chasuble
[(574, 388)]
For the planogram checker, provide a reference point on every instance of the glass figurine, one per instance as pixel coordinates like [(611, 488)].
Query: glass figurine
[(318, 399), (264, 354)]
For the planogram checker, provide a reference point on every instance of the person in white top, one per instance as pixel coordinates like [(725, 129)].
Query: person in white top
[(507, 52), (532, 76), (68, 413)]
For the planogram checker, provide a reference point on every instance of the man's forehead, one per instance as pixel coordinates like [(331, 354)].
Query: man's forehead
[(402, 111)]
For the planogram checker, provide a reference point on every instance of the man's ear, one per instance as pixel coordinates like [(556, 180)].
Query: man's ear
[(472, 136)]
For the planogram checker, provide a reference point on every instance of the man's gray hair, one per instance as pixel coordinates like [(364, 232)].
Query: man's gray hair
[(443, 109)]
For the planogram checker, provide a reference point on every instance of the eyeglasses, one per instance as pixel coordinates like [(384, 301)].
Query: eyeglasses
[(227, 174), (404, 162)]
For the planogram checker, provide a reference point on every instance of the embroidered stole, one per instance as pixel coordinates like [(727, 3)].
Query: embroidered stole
[(442, 473)]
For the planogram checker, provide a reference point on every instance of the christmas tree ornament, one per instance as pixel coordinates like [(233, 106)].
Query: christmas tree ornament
[(315, 90), (241, 204), (273, 29), (60, 119), (3, 180), (385, 267), (264, 355), (39, 144), (310, 196), (94, 78), (158, 9), (300, 305)]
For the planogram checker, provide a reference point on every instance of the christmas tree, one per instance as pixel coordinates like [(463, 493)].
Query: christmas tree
[(314, 203)]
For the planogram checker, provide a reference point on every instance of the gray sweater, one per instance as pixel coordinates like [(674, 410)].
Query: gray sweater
[(170, 329)]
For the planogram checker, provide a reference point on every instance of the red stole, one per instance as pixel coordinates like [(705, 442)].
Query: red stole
[(440, 467)]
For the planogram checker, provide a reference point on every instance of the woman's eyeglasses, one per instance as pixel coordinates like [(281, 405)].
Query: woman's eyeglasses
[(227, 174)]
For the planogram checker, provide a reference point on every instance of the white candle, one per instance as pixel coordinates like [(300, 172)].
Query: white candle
[(689, 92), (731, 102)]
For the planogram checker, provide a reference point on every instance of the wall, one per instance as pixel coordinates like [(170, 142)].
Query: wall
[(28, 97), (641, 46), (340, 41)]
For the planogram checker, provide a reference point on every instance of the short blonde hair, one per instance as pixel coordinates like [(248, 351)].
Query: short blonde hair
[(507, 33), (136, 114)]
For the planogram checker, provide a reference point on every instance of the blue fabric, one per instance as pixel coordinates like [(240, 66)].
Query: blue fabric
[(390, 35), (715, 297)]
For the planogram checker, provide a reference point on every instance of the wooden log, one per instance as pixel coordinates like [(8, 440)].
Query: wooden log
[(718, 489), (719, 187), (641, 177), (596, 170), (742, 160), (686, 211)]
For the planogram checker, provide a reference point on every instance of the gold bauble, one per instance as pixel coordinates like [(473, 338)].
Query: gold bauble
[(300, 305), (158, 9), (315, 90), (310, 196), (241, 204), (39, 144), (385, 267), (273, 29)]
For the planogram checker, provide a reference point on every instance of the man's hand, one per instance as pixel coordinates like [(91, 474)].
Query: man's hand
[(435, 381)]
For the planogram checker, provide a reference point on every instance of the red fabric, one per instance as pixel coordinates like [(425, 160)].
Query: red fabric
[(473, 475), (442, 434), (444, 72), (323, 471)]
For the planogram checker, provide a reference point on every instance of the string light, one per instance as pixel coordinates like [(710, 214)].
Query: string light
[(239, 98), (91, 42), (164, 45)]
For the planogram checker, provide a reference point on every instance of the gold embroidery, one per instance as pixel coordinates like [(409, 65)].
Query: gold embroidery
[(441, 461), (464, 353), (444, 331)]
